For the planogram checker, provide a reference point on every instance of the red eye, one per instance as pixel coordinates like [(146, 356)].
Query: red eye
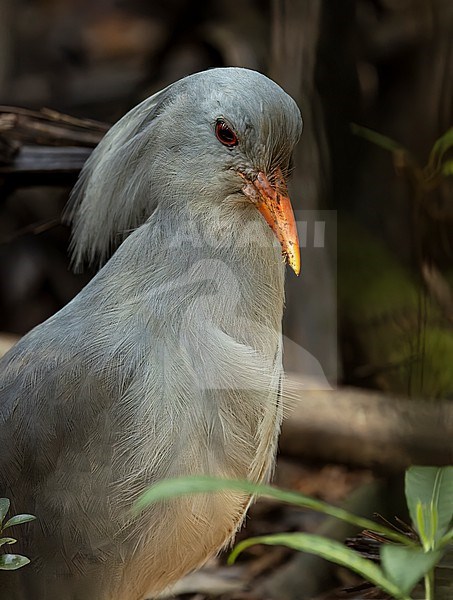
[(225, 134)]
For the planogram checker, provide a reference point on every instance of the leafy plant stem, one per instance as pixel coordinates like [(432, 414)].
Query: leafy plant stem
[(203, 484), (330, 550), (429, 585)]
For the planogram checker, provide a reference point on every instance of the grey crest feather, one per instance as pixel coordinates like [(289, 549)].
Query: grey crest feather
[(111, 197)]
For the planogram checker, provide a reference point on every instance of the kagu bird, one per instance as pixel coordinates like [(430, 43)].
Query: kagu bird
[(168, 362)]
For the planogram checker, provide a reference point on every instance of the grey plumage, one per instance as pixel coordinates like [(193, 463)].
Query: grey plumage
[(167, 363)]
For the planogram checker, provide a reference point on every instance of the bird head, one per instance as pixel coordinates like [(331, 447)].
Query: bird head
[(210, 141)]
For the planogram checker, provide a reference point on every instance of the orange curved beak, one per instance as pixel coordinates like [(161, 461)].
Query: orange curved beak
[(273, 202)]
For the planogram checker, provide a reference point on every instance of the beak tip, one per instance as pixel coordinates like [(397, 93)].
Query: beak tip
[(293, 257), (295, 266)]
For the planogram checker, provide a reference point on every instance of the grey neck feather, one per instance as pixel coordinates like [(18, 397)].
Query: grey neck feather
[(181, 271)]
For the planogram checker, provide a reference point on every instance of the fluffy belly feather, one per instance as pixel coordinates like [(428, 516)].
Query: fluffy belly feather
[(179, 538), (176, 537)]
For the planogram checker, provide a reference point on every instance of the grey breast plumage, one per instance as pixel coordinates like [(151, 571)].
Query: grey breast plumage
[(167, 363)]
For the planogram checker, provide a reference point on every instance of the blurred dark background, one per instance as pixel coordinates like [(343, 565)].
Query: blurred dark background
[(373, 308)]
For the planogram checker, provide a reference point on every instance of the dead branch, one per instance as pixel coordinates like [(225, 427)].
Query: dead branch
[(366, 428), (44, 147)]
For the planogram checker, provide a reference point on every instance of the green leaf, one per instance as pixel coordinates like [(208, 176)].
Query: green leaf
[(447, 168), (7, 540), (377, 138), (442, 145), (447, 538), (429, 496), (406, 566), (330, 550), (18, 520), (11, 562), (4, 508), (182, 486)]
